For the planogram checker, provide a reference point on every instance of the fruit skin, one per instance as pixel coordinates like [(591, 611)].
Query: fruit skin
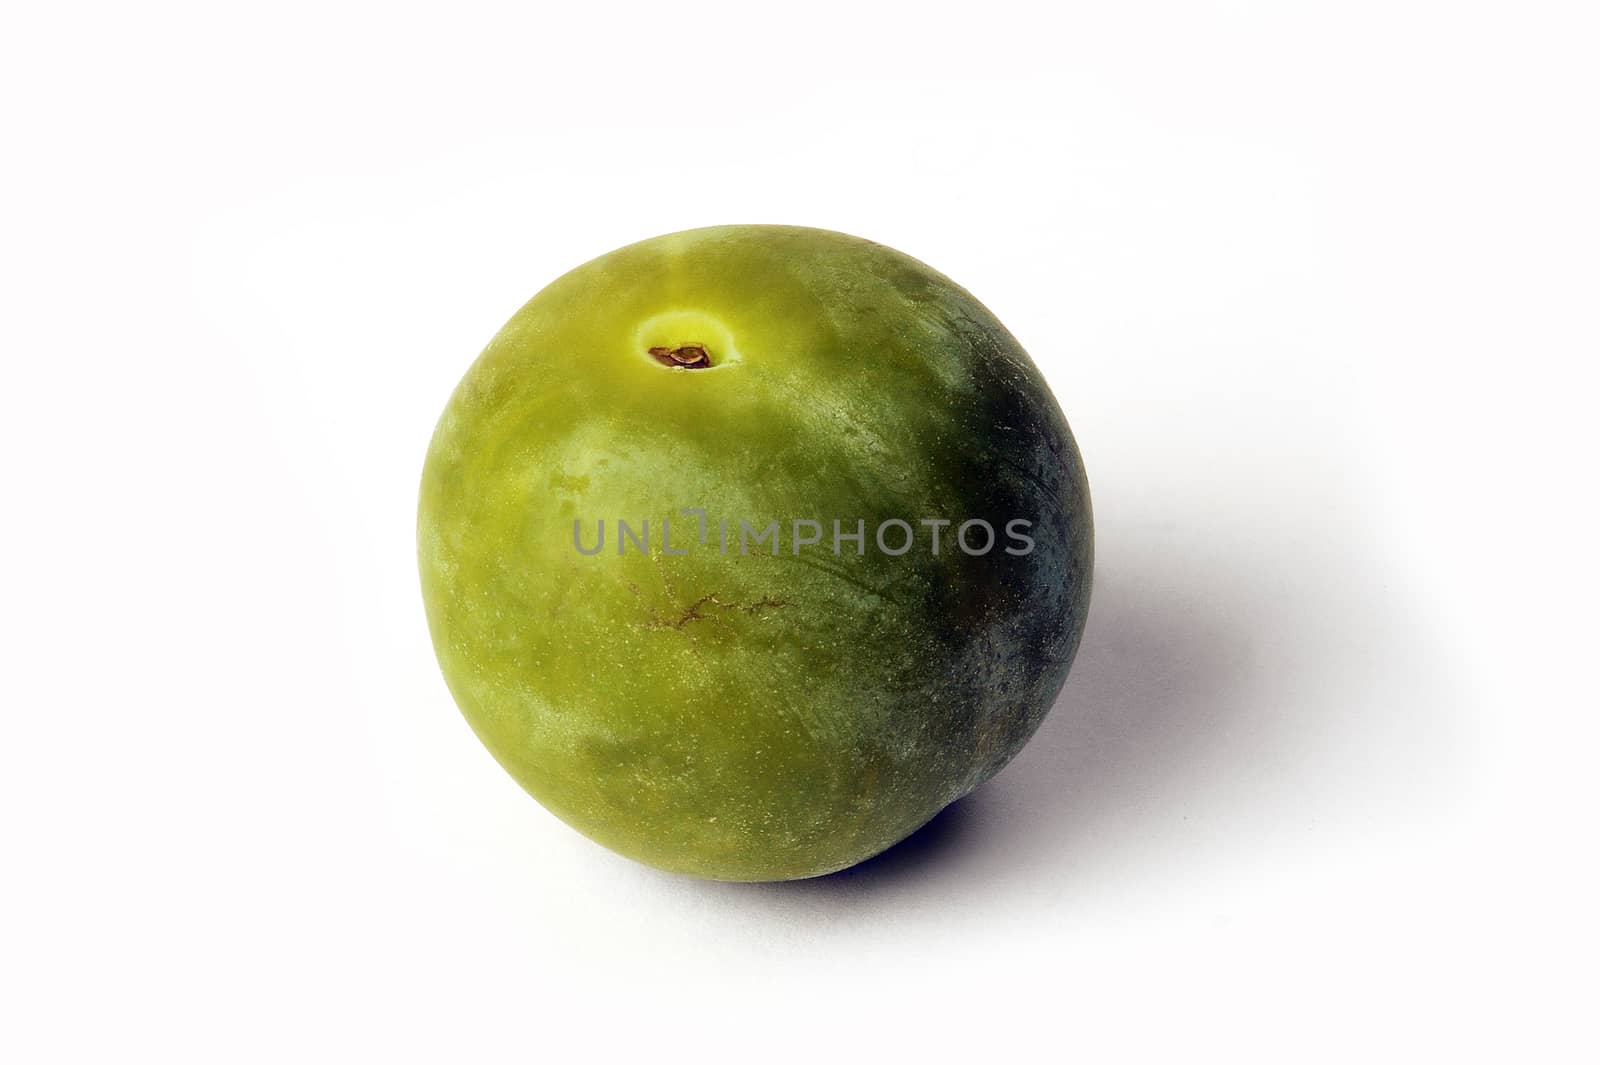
[(752, 717)]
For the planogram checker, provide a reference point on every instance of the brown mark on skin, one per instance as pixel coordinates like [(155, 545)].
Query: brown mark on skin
[(683, 357), (763, 603), (696, 611)]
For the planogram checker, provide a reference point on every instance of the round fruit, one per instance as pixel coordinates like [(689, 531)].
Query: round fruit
[(746, 550)]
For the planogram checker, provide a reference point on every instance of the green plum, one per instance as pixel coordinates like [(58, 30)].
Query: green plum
[(746, 550)]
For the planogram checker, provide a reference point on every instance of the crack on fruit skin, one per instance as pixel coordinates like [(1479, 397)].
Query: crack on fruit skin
[(683, 357), (693, 613), (765, 601)]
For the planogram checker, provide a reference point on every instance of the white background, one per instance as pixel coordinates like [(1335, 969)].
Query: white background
[(1315, 284)]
